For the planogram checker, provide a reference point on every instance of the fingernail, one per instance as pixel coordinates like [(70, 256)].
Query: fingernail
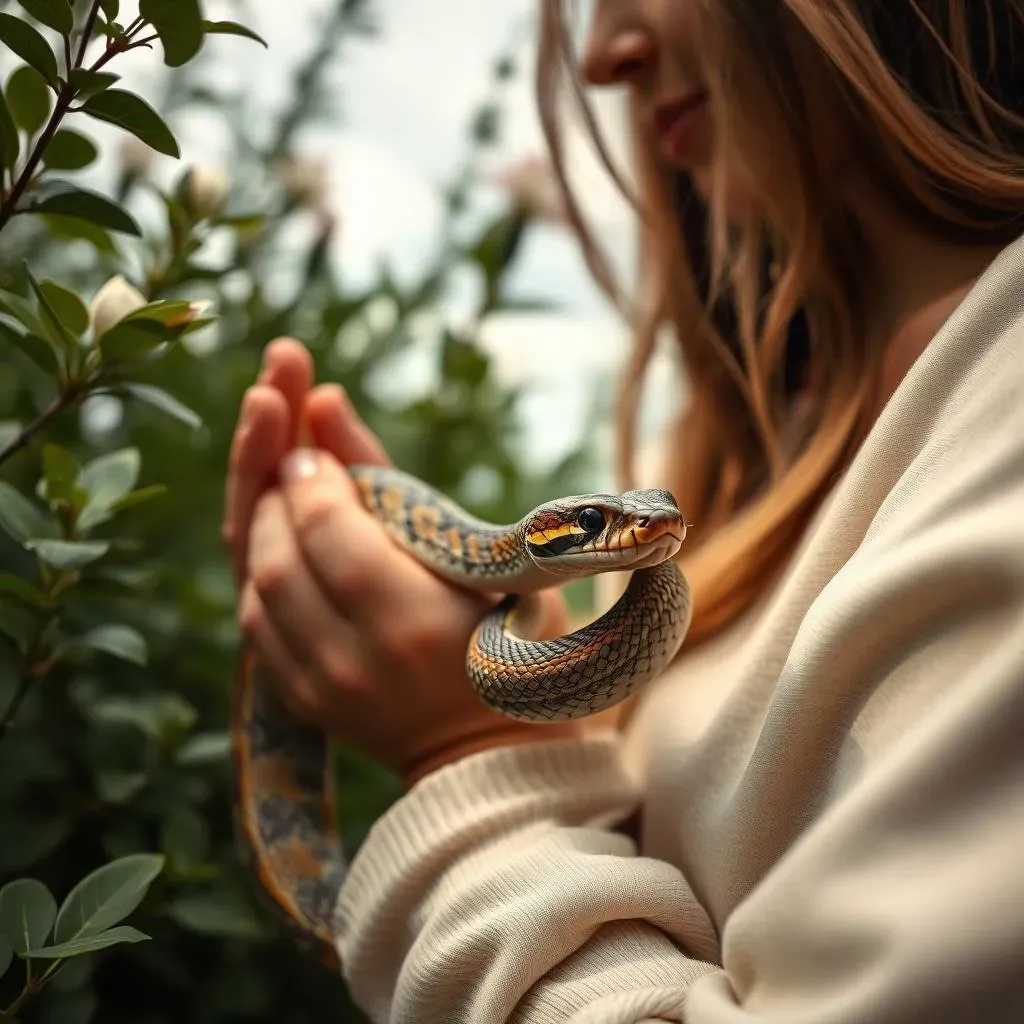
[(299, 464)]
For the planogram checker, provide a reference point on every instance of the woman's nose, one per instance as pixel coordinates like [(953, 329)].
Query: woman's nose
[(616, 57)]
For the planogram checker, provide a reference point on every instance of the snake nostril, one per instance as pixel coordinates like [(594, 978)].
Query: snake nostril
[(642, 521)]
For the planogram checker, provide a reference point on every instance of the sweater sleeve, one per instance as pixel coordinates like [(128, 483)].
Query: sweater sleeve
[(497, 890)]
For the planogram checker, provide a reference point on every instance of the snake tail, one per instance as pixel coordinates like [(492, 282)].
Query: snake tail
[(285, 812)]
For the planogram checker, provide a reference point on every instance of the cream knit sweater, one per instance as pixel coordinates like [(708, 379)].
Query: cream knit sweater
[(832, 791)]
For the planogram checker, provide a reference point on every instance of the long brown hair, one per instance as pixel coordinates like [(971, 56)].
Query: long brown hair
[(927, 94)]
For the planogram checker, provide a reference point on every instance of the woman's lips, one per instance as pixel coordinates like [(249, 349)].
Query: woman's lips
[(678, 125)]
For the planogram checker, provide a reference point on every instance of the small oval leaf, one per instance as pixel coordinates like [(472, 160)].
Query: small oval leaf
[(29, 98), (27, 912), (231, 28), (20, 518), (63, 197), (88, 83), (69, 554), (29, 45), (135, 115), (160, 399), (70, 309), (69, 151), (110, 477), (179, 25), (121, 641), (55, 14), (106, 896), (88, 944)]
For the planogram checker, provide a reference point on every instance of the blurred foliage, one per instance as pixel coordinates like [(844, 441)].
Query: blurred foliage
[(117, 634)]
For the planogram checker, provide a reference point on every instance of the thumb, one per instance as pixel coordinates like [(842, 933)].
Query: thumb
[(335, 426)]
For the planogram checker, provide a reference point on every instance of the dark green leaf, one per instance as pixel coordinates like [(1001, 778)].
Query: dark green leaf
[(88, 944), (70, 309), (107, 480), (160, 399), (28, 839), (23, 311), (29, 45), (231, 28), (127, 342), (60, 473), (58, 332), (169, 312), (10, 143), (27, 912), (35, 348), (20, 518), (157, 715), (106, 896), (89, 83), (55, 14), (135, 115), (215, 914), (15, 586), (138, 497), (6, 955), (119, 787), (29, 98), (121, 641), (69, 554), (185, 838), (63, 197), (204, 748), (69, 151), (179, 25), (110, 8), (19, 625), (72, 229)]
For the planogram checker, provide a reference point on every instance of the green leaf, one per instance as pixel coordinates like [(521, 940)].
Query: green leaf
[(231, 28), (72, 229), (127, 342), (106, 896), (22, 590), (58, 331), (55, 14), (21, 518), (138, 497), (157, 715), (110, 477), (110, 8), (27, 913), (204, 748), (17, 624), (215, 914), (185, 838), (69, 151), (6, 955), (69, 554), (169, 312), (88, 944), (63, 197), (160, 399), (10, 144), (28, 839), (88, 83), (29, 45), (70, 309), (29, 98), (60, 473), (33, 347), (121, 641), (119, 787), (23, 311), (134, 114), (179, 25)]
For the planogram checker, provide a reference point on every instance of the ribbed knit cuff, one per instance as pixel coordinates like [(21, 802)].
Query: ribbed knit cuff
[(467, 804)]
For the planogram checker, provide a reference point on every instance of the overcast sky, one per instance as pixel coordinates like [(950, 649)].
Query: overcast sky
[(407, 96)]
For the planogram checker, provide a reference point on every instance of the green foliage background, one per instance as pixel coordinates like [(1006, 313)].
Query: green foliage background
[(120, 746)]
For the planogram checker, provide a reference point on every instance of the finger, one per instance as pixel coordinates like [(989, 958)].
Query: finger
[(295, 690), (288, 366), (345, 547), (335, 426), (259, 444), (321, 642)]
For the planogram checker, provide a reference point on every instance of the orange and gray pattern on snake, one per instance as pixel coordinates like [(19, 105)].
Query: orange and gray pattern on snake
[(284, 794)]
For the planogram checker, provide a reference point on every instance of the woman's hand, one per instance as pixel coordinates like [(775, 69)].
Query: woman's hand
[(361, 639)]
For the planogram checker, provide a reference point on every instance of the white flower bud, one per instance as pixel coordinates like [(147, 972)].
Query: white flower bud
[(534, 189), (208, 189), (112, 303)]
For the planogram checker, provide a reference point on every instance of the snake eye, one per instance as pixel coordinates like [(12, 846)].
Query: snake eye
[(591, 519)]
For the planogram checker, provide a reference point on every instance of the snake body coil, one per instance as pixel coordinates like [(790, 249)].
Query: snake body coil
[(284, 796)]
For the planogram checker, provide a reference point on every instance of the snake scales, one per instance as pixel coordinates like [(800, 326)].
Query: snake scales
[(283, 783)]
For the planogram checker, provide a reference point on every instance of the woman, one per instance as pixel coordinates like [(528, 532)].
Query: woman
[(830, 778)]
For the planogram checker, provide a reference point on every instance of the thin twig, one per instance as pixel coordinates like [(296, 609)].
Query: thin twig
[(90, 24), (54, 409)]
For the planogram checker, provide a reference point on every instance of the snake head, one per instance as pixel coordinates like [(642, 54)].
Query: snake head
[(592, 533)]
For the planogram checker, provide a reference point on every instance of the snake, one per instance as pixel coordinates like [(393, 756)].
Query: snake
[(283, 799)]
